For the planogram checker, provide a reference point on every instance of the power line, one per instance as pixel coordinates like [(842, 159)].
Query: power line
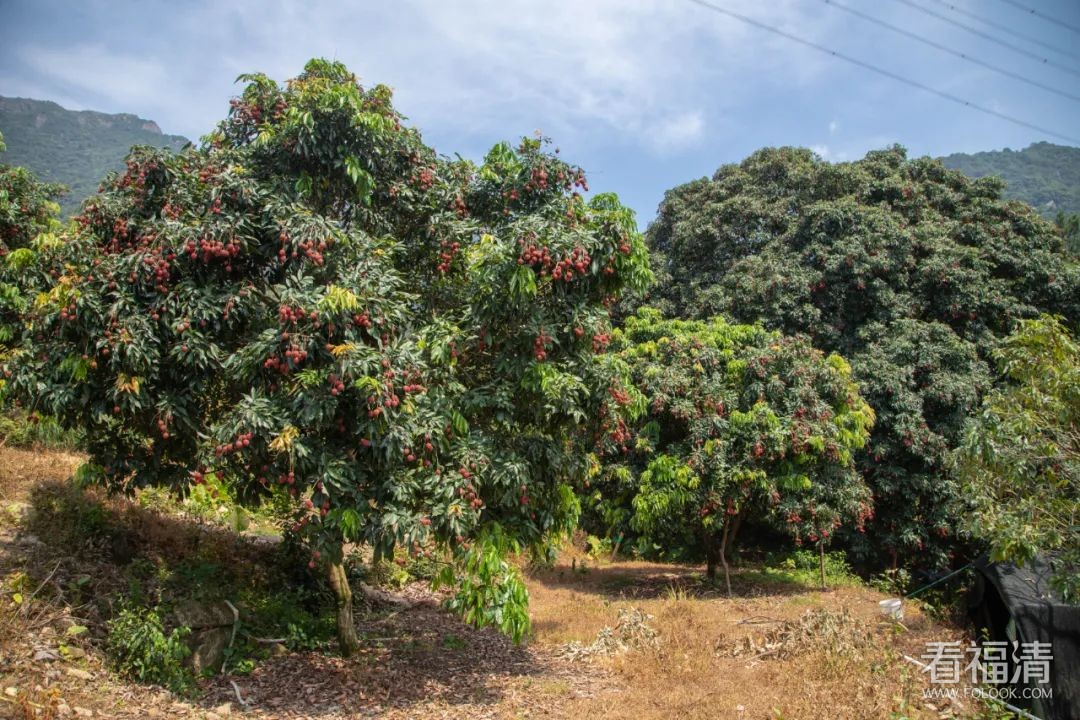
[(947, 49), (1006, 29), (879, 70), (1047, 18), (988, 36)]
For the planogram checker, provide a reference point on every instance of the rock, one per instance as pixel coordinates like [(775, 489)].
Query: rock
[(45, 655), (199, 616), (278, 649), (11, 691), (208, 648), (224, 710), (79, 673), (213, 628), (83, 712), (73, 653)]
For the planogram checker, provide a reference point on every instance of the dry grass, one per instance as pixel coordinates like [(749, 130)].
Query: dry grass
[(22, 469), (836, 658), (839, 659)]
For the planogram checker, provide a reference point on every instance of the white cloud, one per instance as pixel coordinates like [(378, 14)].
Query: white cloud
[(94, 68), (677, 132), (834, 125), (821, 151), (644, 72)]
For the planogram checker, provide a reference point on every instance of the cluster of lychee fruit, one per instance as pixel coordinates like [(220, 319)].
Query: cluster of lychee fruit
[(293, 355), (68, 311), (449, 250), (207, 250), (578, 261), (240, 442), (540, 344), (288, 315), (468, 493), (160, 268), (424, 178), (459, 207)]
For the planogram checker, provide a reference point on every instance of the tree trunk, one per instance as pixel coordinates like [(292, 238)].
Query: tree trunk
[(821, 547), (346, 628), (723, 556), (735, 556), (710, 556)]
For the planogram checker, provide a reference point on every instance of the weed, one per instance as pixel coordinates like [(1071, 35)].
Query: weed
[(386, 573), (894, 583), (139, 648), (18, 429), (802, 568), (293, 615)]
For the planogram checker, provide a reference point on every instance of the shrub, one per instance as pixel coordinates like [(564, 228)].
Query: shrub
[(140, 649)]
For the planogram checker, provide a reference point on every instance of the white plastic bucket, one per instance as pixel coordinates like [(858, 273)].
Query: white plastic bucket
[(892, 608)]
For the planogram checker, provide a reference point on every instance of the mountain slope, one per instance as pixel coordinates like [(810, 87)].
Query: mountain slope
[(1043, 174), (76, 148)]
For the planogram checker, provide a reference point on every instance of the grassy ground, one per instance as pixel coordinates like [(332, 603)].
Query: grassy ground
[(778, 649)]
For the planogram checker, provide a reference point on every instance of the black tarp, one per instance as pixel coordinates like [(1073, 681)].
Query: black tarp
[(1010, 604)]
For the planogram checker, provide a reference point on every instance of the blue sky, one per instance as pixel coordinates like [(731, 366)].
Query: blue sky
[(644, 94)]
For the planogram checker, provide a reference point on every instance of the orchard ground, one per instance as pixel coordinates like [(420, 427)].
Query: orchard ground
[(779, 648)]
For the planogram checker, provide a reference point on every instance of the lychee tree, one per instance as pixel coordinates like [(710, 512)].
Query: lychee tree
[(1021, 455), (911, 271), (316, 304), (732, 421), (28, 220)]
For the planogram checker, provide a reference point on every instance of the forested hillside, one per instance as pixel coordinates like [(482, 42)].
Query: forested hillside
[(1043, 174), (76, 148)]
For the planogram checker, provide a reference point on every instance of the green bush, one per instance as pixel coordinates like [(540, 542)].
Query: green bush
[(802, 567), (387, 573), (139, 648), (293, 614)]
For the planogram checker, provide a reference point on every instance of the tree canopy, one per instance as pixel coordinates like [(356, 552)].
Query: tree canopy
[(28, 218), (911, 271), (733, 421), (315, 304), (1021, 456)]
